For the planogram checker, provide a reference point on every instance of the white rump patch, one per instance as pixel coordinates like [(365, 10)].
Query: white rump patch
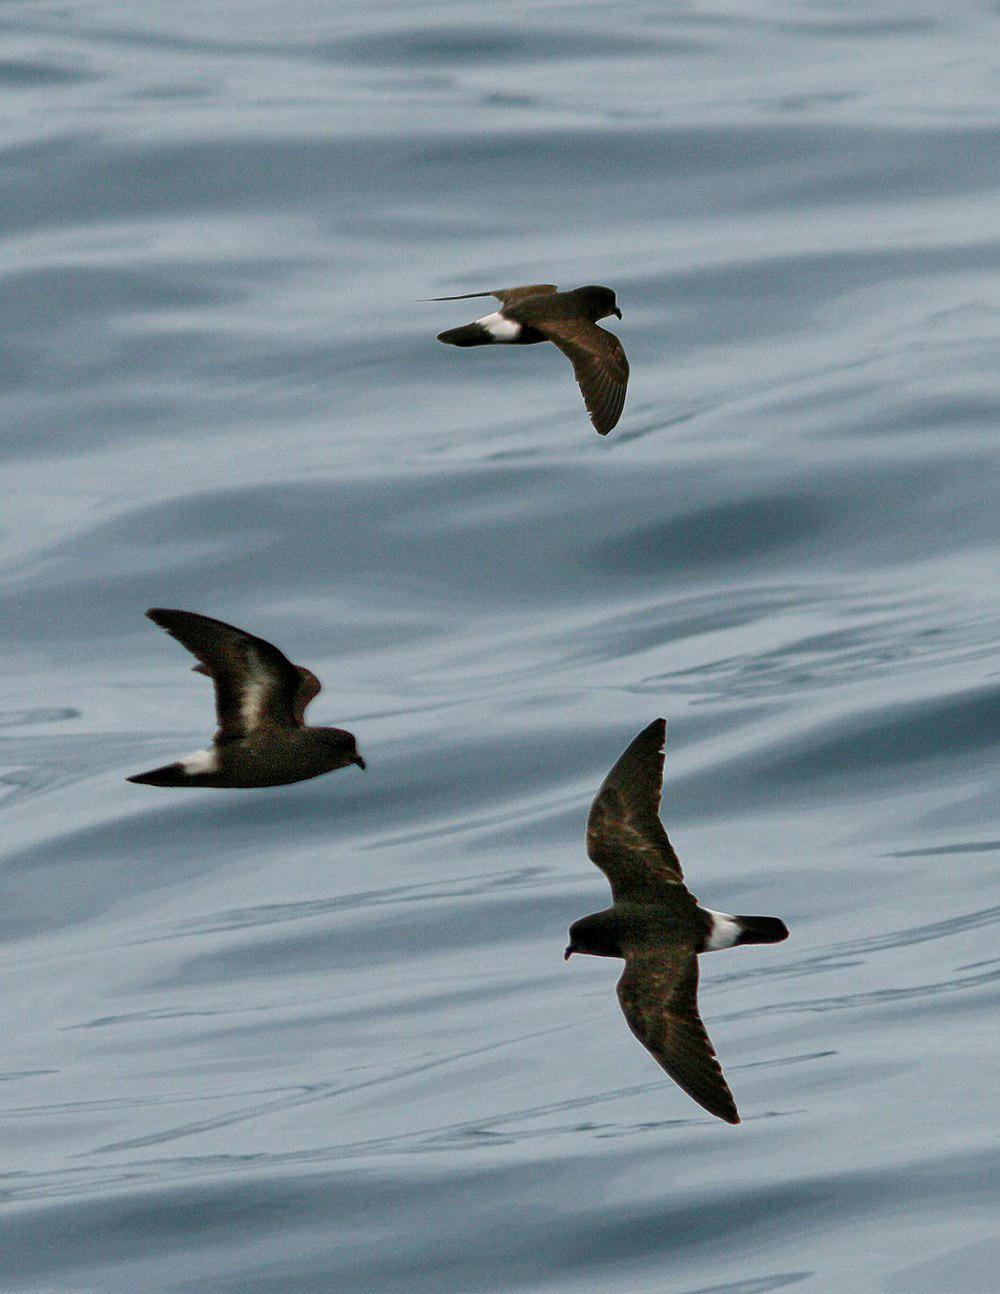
[(201, 761), (724, 932), (499, 328)]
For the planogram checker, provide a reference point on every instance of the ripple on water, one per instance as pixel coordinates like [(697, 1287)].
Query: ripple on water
[(323, 1037)]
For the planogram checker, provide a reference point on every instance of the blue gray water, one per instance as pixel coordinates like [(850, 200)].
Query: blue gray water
[(322, 1038)]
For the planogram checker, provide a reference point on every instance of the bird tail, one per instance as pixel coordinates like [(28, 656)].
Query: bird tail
[(168, 775), (472, 334), (760, 930)]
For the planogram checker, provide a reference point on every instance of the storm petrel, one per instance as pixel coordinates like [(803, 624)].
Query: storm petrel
[(657, 925), (540, 312), (260, 703)]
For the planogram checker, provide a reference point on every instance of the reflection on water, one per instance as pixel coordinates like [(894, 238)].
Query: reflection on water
[(323, 1038)]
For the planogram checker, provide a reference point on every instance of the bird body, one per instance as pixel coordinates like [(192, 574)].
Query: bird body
[(261, 698), (610, 933), (538, 312), (268, 759), (657, 926)]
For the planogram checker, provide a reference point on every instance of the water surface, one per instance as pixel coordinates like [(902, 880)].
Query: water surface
[(323, 1038)]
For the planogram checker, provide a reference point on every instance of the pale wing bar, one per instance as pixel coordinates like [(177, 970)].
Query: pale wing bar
[(625, 836), (658, 993), (600, 366), (255, 683)]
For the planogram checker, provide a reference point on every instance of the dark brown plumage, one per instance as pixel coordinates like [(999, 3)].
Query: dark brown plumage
[(656, 924), (539, 312), (260, 703)]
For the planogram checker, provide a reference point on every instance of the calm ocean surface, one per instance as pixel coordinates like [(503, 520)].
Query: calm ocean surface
[(322, 1038)]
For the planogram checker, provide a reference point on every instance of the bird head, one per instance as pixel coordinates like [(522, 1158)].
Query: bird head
[(598, 302), (341, 747), (597, 935)]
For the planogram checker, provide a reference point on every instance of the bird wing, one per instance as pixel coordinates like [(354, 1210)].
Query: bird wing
[(309, 688), (625, 836), (658, 994), (507, 296), (599, 362), (256, 685)]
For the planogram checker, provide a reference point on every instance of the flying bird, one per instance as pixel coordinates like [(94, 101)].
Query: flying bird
[(260, 703), (540, 312), (657, 925)]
